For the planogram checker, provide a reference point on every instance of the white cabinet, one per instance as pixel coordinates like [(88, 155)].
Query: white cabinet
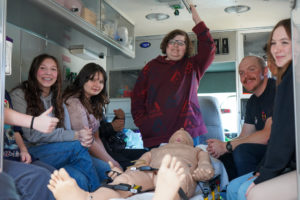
[(75, 22), (143, 55)]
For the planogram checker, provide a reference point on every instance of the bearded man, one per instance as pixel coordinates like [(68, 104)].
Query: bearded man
[(241, 155)]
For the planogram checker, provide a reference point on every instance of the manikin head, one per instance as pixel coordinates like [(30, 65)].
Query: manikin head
[(181, 137)]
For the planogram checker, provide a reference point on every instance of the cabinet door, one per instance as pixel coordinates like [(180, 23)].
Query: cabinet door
[(116, 26), (142, 55), (121, 83)]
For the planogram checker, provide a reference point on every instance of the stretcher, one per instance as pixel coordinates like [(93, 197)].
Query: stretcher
[(204, 191)]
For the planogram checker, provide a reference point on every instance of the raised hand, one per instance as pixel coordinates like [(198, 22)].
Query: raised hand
[(195, 14), (119, 113), (118, 124)]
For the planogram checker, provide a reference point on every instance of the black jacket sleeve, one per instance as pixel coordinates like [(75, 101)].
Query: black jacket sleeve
[(106, 129), (281, 147)]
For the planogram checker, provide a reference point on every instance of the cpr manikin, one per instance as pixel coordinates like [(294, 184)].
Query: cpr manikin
[(195, 163)]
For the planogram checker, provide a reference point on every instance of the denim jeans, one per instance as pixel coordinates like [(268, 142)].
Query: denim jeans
[(228, 162), (101, 167), (237, 188), (71, 156), (8, 188), (247, 156), (30, 180)]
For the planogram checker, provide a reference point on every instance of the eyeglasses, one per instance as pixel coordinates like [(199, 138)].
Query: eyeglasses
[(178, 42)]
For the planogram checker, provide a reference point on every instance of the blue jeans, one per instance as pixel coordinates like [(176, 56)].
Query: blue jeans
[(30, 180), (8, 188), (247, 156), (71, 156), (101, 167), (237, 188)]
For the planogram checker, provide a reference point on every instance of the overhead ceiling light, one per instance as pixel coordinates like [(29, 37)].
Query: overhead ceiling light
[(157, 16), (237, 9)]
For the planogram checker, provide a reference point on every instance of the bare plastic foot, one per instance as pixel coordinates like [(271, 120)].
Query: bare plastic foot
[(65, 187), (169, 177)]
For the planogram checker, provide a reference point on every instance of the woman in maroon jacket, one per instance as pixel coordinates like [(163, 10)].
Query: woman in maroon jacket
[(164, 98)]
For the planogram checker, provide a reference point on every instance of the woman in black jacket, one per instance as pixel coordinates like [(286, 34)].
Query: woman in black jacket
[(280, 155)]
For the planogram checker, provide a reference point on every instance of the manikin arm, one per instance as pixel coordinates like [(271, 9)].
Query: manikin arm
[(144, 160), (204, 170)]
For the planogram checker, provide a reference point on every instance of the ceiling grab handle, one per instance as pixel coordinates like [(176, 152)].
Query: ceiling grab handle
[(187, 5), (293, 4)]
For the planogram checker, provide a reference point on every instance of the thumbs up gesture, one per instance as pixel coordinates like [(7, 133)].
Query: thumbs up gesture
[(44, 122)]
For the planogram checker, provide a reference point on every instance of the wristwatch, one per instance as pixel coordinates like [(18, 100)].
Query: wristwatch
[(229, 147)]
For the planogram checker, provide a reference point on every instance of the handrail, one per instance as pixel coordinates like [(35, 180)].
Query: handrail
[(2, 74)]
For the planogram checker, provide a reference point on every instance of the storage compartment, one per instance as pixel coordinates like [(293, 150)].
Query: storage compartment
[(121, 83), (116, 26), (72, 22), (89, 16)]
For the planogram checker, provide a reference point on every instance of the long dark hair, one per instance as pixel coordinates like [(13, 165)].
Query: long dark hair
[(32, 92), (286, 24), (96, 103)]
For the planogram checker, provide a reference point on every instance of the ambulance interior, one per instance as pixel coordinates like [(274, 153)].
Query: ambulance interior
[(123, 35)]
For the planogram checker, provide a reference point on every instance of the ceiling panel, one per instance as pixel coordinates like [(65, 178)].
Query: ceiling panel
[(263, 13)]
